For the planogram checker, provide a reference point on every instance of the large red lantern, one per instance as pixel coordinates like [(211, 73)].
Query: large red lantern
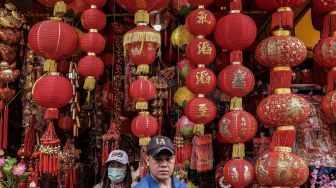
[(238, 173), (275, 4), (235, 32), (236, 80), (283, 109), (201, 51), (90, 17), (200, 22), (92, 42), (91, 66), (144, 126), (328, 105), (237, 126), (196, 3), (323, 6), (282, 169), (325, 52), (280, 51), (142, 53), (201, 81), (200, 110), (142, 90)]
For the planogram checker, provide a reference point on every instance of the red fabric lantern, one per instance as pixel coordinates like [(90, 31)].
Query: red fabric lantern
[(283, 109), (238, 173), (236, 80), (237, 126), (292, 172), (98, 3), (196, 3), (90, 17), (201, 81), (91, 66), (200, 22), (325, 52), (235, 32), (328, 106), (109, 59), (275, 4), (66, 123), (281, 51), (323, 6), (52, 39), (51, 3), (142, 90), (200, 110), (147, 5), (92, 42), (144, 126), (201, 51), (142, 52)]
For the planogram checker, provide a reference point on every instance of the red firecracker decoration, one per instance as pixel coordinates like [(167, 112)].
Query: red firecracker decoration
[(201, 81), (238, 173), (200, 22), (201, 51), (142, 90)]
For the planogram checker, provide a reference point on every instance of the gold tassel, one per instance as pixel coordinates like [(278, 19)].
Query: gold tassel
[(89, 83), (50, 65), (199, 130), (236, 103), (142, 69), (238, 151), (60, 9), (141, 105), (141, 17), (144, 141), (142, 36)]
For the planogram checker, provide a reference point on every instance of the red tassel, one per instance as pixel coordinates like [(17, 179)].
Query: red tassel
[(280, 79), (236, 56), (236, 5), (282, 19), (45, 163), (50, 164), (51, 113), (1, 130), (329, 25), (67, 179), (331, 80), (40, 164), (283, 138), (71, 178), (5, 132)]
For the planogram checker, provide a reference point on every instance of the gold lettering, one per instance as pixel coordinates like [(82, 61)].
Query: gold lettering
[(204, 48)]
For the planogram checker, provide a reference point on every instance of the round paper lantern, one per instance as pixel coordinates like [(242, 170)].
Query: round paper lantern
[(283, 109), (328, 106), (275, 4), (280, 51), (142, 90), (200, 110), (66, 123), (52, 39), (147, 5), (144, 126), (142, 52), (185, 126), (237, 126), (200, 22), (323, 6), (196, 3), (201, 81), (292, 172), (238, 172), (183, 68), (109, 59), (182, 96), (91, 66), (181, 36), (201, 51), (324, 52), (92, 42), (98, 3), (235, 32), (236, 80), (90, 17), (51, 3)]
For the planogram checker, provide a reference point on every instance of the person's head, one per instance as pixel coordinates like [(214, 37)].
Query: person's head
[(161, 157), (117, 169)]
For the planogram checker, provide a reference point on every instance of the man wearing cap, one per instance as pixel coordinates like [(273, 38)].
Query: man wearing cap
[(161, 161)]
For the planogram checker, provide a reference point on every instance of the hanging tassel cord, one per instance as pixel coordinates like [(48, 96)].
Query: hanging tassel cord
[(329, 25), (283, 19), (283, 137), (280, 77)]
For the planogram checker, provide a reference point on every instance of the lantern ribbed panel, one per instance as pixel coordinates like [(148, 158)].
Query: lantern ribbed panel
[(328, 106), (91, 66), (283, 109), (323, 6), (142, 90), (98, 3), (200, 27), (142, 52), (201, 81), (237, 127), (201, 51), (92, 42), (144, 126), (52, 91), (325, 52), (275, 4), (196, 3), (281, 51), (201, 110), (238, 173), (52, 39), (236, 80), (93, 19)]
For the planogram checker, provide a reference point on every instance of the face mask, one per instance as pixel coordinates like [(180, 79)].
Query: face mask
[(116, 175)]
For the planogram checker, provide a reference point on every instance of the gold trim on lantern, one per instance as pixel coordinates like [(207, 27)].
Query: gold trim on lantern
[(55, 18), (282, 68), (236, 103), (284, 9), (93, 30), (91, 54), (201, 6), (199, 130), (143, 77), (50, 65), (141, 105), (142, 36), (141, 17), (286, 128), (200, 37), (281, 32), (201, 66), (236, 63), (282, 91), (60, 9), (144, 113), (54, 74), (234, 11), (93, 6), (283, 149), (144, 141), (238, 151), (142, 69), (200, 95)]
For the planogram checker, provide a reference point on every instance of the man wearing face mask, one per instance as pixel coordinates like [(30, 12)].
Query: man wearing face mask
[(161, 161)]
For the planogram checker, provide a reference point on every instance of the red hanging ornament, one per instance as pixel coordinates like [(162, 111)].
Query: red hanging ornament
[(144, 126), (92, 42), (201, 81), (108, 95), (239, 173), (142, 90), (200, 22), (323, 6), (201, 51), (200, 110), (63, 66), (328, 106), (90, 17)]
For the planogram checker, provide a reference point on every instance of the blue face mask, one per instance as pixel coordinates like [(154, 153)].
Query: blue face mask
[(116, 175)]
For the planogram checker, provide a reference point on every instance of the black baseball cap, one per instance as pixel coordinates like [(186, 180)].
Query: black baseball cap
[(158, 144)]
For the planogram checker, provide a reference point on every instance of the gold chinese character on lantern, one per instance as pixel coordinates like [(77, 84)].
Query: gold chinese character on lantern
[(202, 18), (239, 79), (203, 77), (204, 48), (202, 110)]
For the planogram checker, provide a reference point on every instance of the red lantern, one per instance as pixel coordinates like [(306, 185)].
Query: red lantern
[(144, 126), (238, 173), (328, 106), (98, 3), (109, 59), (147, 5), (201, 51), (292, 172), (92, 42), (236, 80), (200, 110), (142, 90), (200, 22), (201, 81), (323, 6), (66, 123), (281, 51), (91, 66), (142, 52), (283, 109), (275, 4), (53, 39), (237, 127), (51, 3), (235, 32), (90, 17), (196, 3), (324, 52)]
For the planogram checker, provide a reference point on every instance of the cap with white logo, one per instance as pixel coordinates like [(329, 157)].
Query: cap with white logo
[(119, 156)]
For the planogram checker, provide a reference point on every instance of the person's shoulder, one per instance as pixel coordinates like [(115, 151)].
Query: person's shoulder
[(142, 184), (179, 184), (99, 185)]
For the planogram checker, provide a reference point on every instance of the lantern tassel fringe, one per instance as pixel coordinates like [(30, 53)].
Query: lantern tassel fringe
[(50, 65), (283, 138), (236, 103), (144, 141), (51, 113), (329, 25), (283, 19), (60, 9), (142, 36), (280, 79), (89, 83), (236, 56), (331, 79), (142, 69), (238, 151)]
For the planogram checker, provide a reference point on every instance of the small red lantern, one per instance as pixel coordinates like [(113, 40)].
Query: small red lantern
[(98, 3), (197, 3), (201, 81), (201, 51), (238, 172), (142, 90), (92, 42), (90, 17), (281, 51), (200, 110), (236, 80), (324, 52), (91, 66), (237, 126), (144, 126), (275, 4), (142, 53), (66, 123), (235, 32), (328, 106), (292, 172), (200, 22)]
